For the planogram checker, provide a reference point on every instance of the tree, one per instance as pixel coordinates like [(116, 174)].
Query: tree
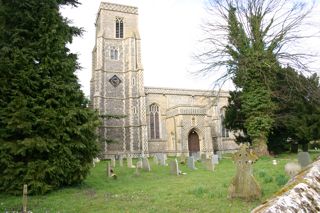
[(250, 40), (47, 132)]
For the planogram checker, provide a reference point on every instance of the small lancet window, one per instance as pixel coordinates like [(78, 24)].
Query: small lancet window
[(119, 27), (114, 53)]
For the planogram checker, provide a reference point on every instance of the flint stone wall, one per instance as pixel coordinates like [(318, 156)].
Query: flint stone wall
[(300, 194)]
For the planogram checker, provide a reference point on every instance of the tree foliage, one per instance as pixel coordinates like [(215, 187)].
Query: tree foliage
[(47, 132), (250, 39)]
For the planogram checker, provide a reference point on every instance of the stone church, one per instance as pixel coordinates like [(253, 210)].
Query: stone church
[(153, 120)]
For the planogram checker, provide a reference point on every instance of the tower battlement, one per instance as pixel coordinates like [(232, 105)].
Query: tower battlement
[(119, 8)]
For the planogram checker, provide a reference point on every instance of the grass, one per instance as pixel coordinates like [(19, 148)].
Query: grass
[(157, 191)]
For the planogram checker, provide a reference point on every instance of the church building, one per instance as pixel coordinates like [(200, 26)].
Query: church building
[(152, 120)]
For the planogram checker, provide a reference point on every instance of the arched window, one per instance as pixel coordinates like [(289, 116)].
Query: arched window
[(154, 122), (119, 27), (114, 53)]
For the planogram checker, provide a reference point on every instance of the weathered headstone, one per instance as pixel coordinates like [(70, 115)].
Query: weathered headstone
[(162, 159), (215, 159), (108, 169), (244, 185), (174, 167), (121, 161), (304, 159), (113, 162), (182, 159), (25, 198), (292, 168), (155, 160), (191, 163), (129, 162), (196, 155), (209, 165), (203, 157), (94, 161), (145, 164)]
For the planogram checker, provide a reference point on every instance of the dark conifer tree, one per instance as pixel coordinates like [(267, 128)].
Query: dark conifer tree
[(47, 132)]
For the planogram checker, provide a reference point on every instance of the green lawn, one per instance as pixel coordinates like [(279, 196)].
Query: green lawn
[(156, 191)]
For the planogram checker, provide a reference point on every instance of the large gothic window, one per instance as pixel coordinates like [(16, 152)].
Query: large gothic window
[(119, 27), (154, 122)]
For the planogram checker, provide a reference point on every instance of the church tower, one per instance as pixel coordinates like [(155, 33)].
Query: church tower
[(117, 80)]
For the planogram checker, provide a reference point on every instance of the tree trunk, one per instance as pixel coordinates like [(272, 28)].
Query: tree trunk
[(260, 146)]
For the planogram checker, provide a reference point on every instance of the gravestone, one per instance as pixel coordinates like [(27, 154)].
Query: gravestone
[(113, 162), (244, 185), (182, 159), (145, 164), (121, 161), (304, 159), (292, 168), (215, 159), (196, 155), (209, 165), (162, 159), (174, 168), (139, 164), (25, 198), (108, 169), (203, 157), (191, 163), (274, 162), (155, 160), (129, 162)]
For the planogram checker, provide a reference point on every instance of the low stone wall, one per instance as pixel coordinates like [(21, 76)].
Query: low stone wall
[(300, 194)]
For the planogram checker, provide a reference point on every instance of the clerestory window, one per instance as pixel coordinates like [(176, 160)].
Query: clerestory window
[(119, 27), (154, 122)]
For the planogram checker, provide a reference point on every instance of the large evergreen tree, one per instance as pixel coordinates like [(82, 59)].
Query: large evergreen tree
[(47, 132)]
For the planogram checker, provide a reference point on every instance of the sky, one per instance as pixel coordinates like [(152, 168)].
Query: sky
[(170, 31)]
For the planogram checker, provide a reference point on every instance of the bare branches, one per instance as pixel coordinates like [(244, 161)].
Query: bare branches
[(280, 23)]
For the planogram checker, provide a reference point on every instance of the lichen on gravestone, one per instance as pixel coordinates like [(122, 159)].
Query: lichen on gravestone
[(244, 185)]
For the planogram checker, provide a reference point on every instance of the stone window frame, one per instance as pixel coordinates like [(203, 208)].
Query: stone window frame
[(154, 121), (119, 27), (114, 53)]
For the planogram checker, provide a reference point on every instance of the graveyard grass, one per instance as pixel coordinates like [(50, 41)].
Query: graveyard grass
[(157, 191)]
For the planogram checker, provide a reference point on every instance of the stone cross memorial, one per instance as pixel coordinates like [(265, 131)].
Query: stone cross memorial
[(244, 185), (174, 168)]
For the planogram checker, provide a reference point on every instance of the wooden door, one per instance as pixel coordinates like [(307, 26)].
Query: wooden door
[(193, 143)]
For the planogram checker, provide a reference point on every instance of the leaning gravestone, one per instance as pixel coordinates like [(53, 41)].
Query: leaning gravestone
[(145, 164), (209, 165), (215, 159), (191, 163), (129, 162), (174, 168), (244, 185), (292, 168), (304, 159)]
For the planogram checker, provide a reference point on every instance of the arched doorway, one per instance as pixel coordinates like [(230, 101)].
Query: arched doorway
[(193, 143)]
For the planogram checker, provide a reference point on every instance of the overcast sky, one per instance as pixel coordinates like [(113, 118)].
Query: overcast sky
[(170, 31)]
